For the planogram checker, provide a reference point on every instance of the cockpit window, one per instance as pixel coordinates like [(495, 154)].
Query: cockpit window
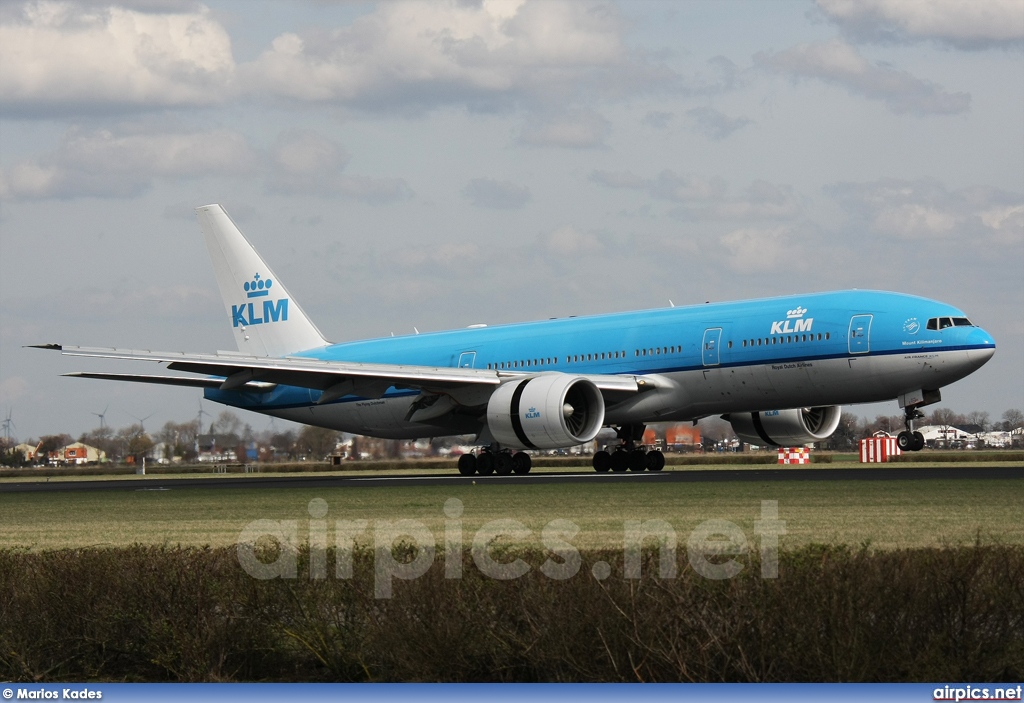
[(941, 323)]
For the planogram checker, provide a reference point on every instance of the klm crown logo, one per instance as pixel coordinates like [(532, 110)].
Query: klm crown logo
[(248, 314), (794, 322), (532, 414), (259, 287)]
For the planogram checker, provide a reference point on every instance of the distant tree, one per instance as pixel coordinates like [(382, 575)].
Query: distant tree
[(944, 417), (9, 456), (227, 423), (979, 418), (891, 424), (181, 438), (317, 442), (1012, 419), (283, 444), (102, 438), (134, 441), (51, 443)]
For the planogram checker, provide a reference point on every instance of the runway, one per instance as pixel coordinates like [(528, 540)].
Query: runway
[(306, 481)]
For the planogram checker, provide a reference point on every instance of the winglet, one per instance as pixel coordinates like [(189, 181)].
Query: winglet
[(54, 347), (265, 319)]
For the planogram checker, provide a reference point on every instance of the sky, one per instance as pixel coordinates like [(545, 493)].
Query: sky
[(428, 166)]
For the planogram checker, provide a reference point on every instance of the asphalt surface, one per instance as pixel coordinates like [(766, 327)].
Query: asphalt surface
[(306, 481)]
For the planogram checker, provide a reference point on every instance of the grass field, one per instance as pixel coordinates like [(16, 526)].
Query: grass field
[(885, 514)]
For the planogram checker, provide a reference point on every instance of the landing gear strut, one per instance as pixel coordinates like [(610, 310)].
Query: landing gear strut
[(628, 456), (908, 440)]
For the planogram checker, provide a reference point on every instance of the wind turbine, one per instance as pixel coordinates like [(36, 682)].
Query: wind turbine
[(102, 416), (8, 424), (142, 421), (201, 413)]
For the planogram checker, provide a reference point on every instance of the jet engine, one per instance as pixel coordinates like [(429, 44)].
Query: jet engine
[(545, 412), (786, 428)]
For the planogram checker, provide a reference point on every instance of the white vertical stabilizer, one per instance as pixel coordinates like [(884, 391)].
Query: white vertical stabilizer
[(265, 319)]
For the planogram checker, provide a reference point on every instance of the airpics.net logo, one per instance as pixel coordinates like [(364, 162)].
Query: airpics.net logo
[(714, 548), (248, 314), (794, 322)]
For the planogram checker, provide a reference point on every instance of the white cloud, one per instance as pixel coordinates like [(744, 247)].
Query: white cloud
[(306, 162), (965, 24), (56, 53), (926, 209), (839, 63), (105, 163), (421, 54), (502, 195)]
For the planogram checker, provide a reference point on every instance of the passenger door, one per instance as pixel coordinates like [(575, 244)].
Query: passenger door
[(860, 334), (709, 349)]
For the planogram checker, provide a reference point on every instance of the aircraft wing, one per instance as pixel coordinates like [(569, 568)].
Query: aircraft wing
[(334, 378)]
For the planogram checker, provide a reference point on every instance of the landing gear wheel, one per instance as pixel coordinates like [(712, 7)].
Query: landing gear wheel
[(467, 464), (503, 464), (637, 460), (918, 444), (602, 462), (485, 464), (905, 441), (655, 461), (620, 461), (521, 463)]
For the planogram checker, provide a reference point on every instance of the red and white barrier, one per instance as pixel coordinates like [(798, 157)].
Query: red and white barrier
[(878, 450), (794, 455)]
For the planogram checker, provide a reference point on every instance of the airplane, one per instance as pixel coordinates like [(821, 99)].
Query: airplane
[(778, 369)]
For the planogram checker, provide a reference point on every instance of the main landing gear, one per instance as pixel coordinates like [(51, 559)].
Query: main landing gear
[(908, 440), (627, 456), (501, 462)]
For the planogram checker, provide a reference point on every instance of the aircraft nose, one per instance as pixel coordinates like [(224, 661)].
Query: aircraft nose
[(980, 346)]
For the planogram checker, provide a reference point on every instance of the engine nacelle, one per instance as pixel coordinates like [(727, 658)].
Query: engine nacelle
[(786, 428), (545, 412)]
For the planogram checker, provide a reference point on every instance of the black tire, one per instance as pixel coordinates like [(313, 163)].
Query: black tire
[(602, 462), (521, 463), (905, 441), (620, 461), (485, 464), (467, 464), (638, 460), (655, 461), (503, 464), (918, 442)]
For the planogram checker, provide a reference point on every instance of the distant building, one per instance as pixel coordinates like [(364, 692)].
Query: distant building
[(77, 453), (217, 448), (28, 451), (682, 438)]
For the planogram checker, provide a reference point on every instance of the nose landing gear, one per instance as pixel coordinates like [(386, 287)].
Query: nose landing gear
[(908, 440)]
